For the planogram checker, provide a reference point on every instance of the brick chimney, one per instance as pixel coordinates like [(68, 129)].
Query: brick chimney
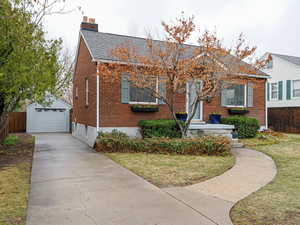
[(89, 24)]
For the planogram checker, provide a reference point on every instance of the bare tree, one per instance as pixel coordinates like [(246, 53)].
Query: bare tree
[(65, 75)]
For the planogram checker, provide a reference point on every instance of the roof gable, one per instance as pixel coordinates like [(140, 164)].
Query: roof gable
[(292, 59)]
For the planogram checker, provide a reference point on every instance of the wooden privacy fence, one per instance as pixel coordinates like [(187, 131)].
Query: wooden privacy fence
[(17, 122), (4, 128), (285, 119)]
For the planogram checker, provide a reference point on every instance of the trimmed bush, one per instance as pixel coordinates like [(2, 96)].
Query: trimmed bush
[(246, 127), (162, 128), (206, 145)]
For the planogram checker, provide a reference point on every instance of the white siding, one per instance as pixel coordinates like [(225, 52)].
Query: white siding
[(283, 70)]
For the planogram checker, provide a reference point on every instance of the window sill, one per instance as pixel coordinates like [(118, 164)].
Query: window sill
[(235, 106), (143, 103)]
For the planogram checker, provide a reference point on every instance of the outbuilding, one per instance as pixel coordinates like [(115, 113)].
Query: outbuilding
[(51, 118)]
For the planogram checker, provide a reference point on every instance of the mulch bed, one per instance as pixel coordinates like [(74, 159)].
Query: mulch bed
[(20, 152)]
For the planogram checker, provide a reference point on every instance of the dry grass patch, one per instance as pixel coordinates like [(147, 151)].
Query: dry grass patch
[(278, 203), (15, 170), (173, 170)]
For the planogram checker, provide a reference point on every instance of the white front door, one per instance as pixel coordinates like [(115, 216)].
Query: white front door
[(191, 95)]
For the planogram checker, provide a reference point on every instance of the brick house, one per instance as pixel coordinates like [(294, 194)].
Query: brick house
[(101, 106)]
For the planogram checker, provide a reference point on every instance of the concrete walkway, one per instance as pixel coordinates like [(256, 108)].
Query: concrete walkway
[(71, 184), (214, 198)]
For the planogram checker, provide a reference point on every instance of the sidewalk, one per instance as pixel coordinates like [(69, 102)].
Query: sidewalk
[(215, 197)]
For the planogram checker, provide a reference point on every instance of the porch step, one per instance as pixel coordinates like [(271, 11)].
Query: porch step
[(236, 144)]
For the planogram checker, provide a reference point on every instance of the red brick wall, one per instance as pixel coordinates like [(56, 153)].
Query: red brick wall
[(85, 68), (116, 114), (113, 113), (257, 111)]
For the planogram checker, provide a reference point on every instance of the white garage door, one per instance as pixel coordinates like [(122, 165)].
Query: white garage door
[(49, 120)]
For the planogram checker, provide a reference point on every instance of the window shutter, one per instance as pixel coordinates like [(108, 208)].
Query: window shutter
[(268, 91), (280, 90), (162, 91), (250, 95), (125, 88), (288, 89)]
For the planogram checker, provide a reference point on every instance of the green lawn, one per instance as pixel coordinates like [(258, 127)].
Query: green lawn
[(278, 203), (15, 170), (173, 170)]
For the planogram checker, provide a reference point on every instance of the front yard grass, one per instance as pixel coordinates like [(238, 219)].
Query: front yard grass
[(278, 203), (173, 170), (15, 170)]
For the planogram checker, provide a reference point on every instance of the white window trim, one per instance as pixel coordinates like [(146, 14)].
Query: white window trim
[(292, 89), (245, 100), (86, 92), (146, 103), (273, 99)]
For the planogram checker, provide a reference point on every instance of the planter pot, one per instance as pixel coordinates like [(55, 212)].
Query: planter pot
[(238, 111), (215, 118), (234, 134), (144, 109), (182, 117)]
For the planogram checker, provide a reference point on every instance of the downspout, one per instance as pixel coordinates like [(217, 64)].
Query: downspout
[(266, 106), (97, 102)]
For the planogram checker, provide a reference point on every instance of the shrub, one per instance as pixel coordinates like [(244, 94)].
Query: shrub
[(162, 128), (11, 140), (245, 126), (114, 134), (206, 145)]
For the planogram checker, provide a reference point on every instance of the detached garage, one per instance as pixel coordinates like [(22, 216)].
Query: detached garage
[(52, 118)]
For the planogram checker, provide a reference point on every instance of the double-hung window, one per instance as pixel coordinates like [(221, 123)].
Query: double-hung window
[(234, 95), (274, 91), (296, 88), (143, 95)]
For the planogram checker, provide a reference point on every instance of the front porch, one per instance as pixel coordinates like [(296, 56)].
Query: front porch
[(200, 129)]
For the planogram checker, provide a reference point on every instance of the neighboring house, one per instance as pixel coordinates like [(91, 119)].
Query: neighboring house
[(102, 106), (54, 117), (283, 90), (284, 81)]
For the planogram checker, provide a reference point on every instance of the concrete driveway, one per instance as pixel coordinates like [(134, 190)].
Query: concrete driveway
[(71, 184)]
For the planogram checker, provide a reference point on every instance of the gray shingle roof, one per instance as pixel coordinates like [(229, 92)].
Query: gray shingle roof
[(101, 44), (292, 59)]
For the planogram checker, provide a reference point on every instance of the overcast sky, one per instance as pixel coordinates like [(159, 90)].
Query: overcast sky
[(271, 25)]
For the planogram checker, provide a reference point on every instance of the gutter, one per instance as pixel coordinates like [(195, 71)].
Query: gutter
[(97, 101), (140, 64), (254, 75)]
